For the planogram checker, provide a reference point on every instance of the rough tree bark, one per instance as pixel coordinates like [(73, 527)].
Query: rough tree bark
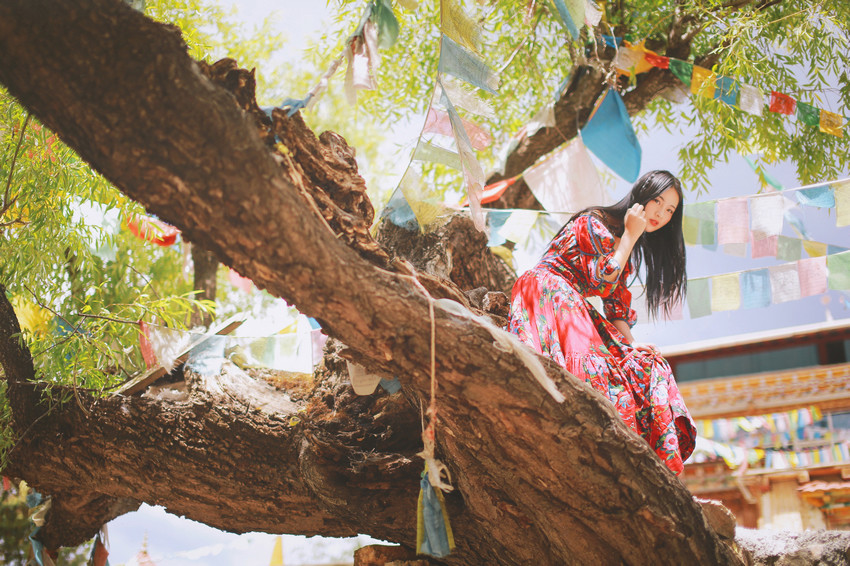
[(537, 481)]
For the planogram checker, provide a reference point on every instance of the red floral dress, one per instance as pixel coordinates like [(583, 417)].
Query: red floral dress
[(550, 313)]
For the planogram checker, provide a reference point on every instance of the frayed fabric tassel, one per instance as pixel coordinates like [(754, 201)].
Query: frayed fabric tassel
[(433, 531)]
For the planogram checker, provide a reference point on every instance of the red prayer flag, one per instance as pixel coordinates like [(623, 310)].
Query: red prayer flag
[(657, 60), (153, 230), (782, 103), (494, 192), (145, 345), (7, 483), (100, 553)]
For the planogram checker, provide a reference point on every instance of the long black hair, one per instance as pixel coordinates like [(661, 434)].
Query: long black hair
[(663, 250)]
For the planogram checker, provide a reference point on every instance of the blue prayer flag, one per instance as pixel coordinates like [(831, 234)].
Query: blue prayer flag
[(611, 138), (399, 212), (727, 90), (823, 197), (755, 289), (457, 61)]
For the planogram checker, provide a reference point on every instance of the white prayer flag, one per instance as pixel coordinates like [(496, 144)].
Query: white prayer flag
[(750, 99), (767, 215), (784, 282)]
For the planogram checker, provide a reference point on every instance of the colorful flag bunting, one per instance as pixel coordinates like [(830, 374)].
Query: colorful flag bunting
[(782, 103), (813, 276), (755, 289), (433, 530), (610, 136), (545, 118), (567, 181)]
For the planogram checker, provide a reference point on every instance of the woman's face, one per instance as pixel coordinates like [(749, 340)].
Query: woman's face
[(660, 210)]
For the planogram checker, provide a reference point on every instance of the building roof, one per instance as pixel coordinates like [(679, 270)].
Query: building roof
[(840, 328)]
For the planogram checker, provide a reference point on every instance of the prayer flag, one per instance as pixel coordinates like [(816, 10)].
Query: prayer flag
[(755, 288), (657, 60), (839, 271), (725, 292), (788, 249), (682, 70), (425, 206), (782, 103), (440, 122), (145, 345), (494, 191), (699, 298), (703, 82), (567, 181), (472, 173), (727, 90), (495, 220), (362, 55), (767, 215), (611, 138), (831, 123), (808, 114), (750, 99), (462, 98), (399, 212), (842, 203), (545, 118), (457, 61), (435, 154), (572, 15), (628, 60), (592, 13), (764, 247), (153, 230), (813, 276), (456, 24), (433, 530), (738, 250), (277, 552), (814, 249), (822, 197), (784, 282), (699, 220), (732, 221), (386, 22), (518, 225)]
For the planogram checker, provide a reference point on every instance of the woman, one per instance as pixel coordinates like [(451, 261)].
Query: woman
[(595, 254)]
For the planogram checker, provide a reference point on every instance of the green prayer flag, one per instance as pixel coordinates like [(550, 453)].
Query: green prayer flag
[(385, 20), (690, 230), (788, 249), (808, 114), (839, 271), (682, 70), (699, 297)]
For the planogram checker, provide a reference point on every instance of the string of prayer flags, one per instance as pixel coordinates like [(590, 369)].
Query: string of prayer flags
[(567, 180), (545, 118), (518, 225), (815, 249), (610, 136), (496, 219), (363, 382), (682, 70), (698, 223), (433, 531), (788, 249), (457, 61), (494, 191)]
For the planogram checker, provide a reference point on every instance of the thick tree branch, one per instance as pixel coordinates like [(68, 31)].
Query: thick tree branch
[(561, 482)]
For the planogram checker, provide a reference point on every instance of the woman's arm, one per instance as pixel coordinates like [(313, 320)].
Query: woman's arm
[(623, 327), (635, 224)]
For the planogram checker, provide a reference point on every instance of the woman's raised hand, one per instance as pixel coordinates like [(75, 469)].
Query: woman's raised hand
[(635, 221)]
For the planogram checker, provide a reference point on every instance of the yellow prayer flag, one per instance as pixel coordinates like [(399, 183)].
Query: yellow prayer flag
[(831, 123), (725, 292), (31, 317), (642, 65), (814, 249), (459, 26), (842, 203), (703, 82), (425, 207), (277, 553)]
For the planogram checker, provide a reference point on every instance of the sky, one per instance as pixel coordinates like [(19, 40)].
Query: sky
[(175, 541)]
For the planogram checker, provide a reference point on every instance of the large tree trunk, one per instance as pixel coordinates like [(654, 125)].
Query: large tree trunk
[(537, 481)]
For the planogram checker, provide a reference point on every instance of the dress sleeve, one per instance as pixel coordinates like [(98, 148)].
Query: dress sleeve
[(596, 252), (618, 305)]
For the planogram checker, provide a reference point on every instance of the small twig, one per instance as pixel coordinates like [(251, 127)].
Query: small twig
[(149, 283), (6, 202), (109, 318)]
